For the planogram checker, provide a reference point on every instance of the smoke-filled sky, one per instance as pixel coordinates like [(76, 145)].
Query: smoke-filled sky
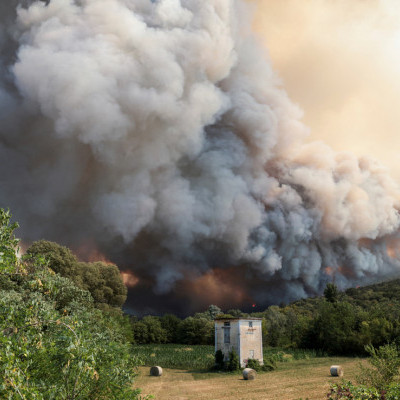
[(160, 135), (340, 61)]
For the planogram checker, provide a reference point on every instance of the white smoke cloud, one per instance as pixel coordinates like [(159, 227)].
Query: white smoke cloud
[(160, 130)]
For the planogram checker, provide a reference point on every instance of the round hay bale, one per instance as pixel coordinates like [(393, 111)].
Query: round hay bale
[(336, 370), (155, 371), (249, 374)]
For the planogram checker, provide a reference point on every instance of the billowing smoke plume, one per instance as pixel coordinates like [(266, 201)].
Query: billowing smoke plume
[(157, 132)]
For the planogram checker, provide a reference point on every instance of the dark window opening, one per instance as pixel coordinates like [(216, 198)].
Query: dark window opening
[(227, 335)]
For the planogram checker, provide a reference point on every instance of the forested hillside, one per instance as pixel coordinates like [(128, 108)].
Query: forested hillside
[(340, 323)]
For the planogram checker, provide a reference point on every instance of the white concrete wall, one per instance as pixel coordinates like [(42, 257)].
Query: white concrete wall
[(244, 339), (250, 341), (234, 337)]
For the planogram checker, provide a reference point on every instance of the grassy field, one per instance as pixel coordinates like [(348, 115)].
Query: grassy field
[(301, 374), (176, 356), (293, 380), (202, 357)]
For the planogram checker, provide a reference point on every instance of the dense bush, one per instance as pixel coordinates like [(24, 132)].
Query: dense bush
[(55, 344), (268, 365), (149, 330), (385, 362), (233, 363), (347, 390), (196, 331), (219, 359), (102, 280)]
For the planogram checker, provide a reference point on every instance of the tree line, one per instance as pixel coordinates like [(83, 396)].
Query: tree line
[(340, 323)]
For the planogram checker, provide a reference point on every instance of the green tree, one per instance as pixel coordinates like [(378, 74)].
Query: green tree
[(210, 314), (8, 243), (213, 311), (149, 330), (236, 313), (171, 323), (54, 343), (101, 279), (275, 323), (336, 329), (60, 258), (331, 293), (196, 331)]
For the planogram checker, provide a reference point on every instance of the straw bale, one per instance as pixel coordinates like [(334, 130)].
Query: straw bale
[(156, 371)]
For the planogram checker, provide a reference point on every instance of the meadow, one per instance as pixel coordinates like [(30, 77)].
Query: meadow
[(176, 356), (294, 379), (202, 357)]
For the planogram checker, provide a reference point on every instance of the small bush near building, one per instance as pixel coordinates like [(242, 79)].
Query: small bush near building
[(233, 363), (269, 365), (219, 359)]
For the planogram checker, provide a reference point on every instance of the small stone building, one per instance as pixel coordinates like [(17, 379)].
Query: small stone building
[(242, 334)]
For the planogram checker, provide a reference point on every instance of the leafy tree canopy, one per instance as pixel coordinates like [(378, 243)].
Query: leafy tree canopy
[(54, 344), (101, 279)]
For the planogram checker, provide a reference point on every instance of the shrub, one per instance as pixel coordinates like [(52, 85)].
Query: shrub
[(269, 365), (347, 390), (71, 353), (385, 362), (219, 359), (233, 362), (253, 364), (377, 383), (53, 343)]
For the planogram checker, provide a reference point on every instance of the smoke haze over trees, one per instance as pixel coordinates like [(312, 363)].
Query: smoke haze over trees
[(160, 130)]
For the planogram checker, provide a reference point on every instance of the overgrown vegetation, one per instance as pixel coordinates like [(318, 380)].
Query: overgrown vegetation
[(54, 343), (379, 381), (268, 365), (385, 364), (102, 280), (197, 357), (233, 363), (339, 323), (202, 357)]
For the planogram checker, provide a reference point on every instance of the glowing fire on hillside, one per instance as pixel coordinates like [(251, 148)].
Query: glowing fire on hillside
[(393, 247), (129, 279), (89, 252), (219, 286)]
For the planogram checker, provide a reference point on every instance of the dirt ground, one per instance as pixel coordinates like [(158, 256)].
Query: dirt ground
[(303, 379)]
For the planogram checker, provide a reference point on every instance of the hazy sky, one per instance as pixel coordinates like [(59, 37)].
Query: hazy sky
[(340, 61)]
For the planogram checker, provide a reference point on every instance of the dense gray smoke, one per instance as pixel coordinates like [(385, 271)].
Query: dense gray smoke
[(158, 133)]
